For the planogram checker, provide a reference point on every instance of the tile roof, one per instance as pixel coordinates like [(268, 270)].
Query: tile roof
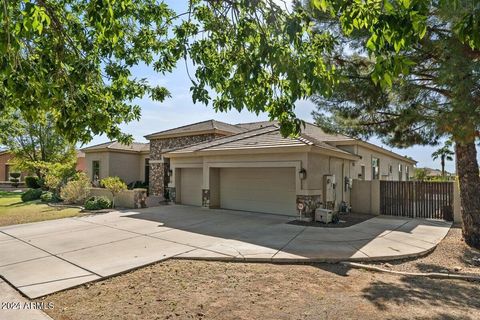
[(317, 133), (256, 125), (204, 126), (114, 145), (264, 137)]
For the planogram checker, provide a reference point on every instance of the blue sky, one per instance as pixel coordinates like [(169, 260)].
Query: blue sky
[(180, 110)]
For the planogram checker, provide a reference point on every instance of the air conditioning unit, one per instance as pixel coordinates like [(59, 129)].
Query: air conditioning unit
[(324, 215)]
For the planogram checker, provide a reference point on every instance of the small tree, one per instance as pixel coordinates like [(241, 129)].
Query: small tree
[(115, 185), (420, 174), (55, 174)]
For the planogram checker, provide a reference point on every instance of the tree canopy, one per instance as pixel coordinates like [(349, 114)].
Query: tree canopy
[(73, 58), (34, 144)]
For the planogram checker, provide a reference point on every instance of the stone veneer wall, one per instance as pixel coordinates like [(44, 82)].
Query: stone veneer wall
[(308, 204), (158, 181)]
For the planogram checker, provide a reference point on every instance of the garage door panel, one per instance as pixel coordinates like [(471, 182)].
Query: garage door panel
[(270, 190), (191, 180)]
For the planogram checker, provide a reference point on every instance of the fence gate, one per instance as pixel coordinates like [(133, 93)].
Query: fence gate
[(432, 200)]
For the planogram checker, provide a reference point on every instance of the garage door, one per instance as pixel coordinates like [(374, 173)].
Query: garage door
[(191, 186), (270, 190)]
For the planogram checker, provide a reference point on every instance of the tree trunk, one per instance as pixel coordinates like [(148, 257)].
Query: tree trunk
[(443, 166), (469, 180)]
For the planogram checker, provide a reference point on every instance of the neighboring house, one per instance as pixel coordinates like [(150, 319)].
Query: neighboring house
[(81, 164), (6, 166), (130, 163), (251, 166)]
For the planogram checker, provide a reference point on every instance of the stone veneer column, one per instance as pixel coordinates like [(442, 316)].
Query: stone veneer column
[(206, 198), (309, 204), (158, 183), (156, 179)]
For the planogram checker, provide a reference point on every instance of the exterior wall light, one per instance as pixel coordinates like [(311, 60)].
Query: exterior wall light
[(302, 174)]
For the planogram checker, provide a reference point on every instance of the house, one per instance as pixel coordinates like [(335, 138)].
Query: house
[(251, 166), (115, 159), (6, 165)]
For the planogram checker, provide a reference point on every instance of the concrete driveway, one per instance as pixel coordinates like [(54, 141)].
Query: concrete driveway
[(45, 257)]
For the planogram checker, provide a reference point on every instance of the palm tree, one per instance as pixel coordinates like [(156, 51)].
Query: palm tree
[(445, 153)]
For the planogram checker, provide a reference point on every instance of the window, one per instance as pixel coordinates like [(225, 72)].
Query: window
[(375, 169), (95, 170), (407, 173), (147, 171), (400, 172)]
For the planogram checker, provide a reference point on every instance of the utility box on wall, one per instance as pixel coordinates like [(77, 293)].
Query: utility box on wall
[(329, 186)]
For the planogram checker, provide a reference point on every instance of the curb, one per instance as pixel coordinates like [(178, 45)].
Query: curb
[(432, 275)]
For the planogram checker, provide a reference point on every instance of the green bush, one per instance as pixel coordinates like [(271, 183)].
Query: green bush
[(98, 203), (32, 182), (31, 194), (47, 196)]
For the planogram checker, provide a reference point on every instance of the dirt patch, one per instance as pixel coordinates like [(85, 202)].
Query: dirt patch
[(451, 255), (182, 289), (345, 220)]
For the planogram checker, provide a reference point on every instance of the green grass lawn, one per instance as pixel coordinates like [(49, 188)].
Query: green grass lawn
[(14, 211)]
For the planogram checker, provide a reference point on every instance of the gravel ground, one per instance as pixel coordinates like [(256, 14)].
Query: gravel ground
[(451, 255), (182, 289)]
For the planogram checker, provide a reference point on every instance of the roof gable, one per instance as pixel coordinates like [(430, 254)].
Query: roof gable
[(204, 127), (261, 138), (117, 146)]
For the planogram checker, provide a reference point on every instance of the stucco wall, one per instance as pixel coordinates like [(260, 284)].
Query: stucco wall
[(125, 199), (385, 162), (103, 157), (126, 166), (316, 166), (365, 197)]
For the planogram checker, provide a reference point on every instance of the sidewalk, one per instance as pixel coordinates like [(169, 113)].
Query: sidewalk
[(15, 307)]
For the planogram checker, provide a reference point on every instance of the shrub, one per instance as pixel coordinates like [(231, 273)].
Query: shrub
[(32, 182), (115, 185), (31, 194), (15, 178), (98, 203), (47, 197), (76, 191)]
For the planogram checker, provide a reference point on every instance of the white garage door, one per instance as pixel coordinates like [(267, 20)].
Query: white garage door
[(270, 190), (191, 186)]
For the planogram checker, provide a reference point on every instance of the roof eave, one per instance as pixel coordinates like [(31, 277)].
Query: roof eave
[(234, 151), (112, 150), (374, 147)]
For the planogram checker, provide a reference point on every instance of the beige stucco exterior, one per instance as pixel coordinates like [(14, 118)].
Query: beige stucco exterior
[(386, 161), (316, 165), (129, 166)]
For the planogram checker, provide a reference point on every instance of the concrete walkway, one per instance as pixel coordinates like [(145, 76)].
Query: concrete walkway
[(15, 307), (45, 257)]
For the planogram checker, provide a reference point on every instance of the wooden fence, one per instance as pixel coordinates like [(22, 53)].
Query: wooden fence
[(430, 200)]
